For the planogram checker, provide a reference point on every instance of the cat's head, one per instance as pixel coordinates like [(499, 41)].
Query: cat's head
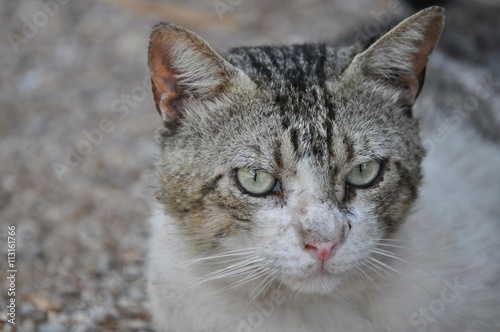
[(302, 157)]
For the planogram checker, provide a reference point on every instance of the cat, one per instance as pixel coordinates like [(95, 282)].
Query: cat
[(294, 192)]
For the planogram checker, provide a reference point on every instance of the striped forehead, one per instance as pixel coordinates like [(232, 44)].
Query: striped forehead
[(296, 77), (297, 65), (296, 74)]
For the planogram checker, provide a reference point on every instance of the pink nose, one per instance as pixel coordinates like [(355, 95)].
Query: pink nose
[(322, 250)]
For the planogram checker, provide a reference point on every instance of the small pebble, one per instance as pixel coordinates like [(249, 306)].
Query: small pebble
[(51, 327), (27, 308)]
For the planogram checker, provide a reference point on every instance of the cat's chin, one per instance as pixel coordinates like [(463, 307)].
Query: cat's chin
[(317, 283)]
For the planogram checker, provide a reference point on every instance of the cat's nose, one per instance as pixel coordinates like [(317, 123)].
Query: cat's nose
[(322, 250)]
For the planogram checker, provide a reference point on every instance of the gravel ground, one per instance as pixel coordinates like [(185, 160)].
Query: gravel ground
[(76, 142)]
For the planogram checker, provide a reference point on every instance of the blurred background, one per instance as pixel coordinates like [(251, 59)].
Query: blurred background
[(77, 139)]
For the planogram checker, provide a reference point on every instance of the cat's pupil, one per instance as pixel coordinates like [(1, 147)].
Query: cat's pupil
[(254, 171)]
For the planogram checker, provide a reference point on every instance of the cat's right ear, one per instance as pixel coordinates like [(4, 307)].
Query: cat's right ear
[(399, 58), (184, 68)]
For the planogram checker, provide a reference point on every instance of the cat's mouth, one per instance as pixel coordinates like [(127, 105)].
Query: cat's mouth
[(318, 273), (317, 281)]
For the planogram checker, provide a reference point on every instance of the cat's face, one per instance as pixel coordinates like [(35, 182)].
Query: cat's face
[(302, 159)]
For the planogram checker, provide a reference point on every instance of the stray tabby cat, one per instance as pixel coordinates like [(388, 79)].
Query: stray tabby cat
[(293, 193)]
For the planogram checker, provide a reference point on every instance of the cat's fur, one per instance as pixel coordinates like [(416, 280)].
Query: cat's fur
[(419, 250)]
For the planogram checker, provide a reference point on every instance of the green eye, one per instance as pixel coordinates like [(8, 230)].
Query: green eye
[(365, 174), (256, 182)]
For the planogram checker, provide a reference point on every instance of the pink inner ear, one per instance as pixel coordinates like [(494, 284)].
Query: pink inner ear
[(421, 58), (163, 81)]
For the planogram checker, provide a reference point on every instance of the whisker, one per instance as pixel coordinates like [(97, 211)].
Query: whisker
[(233, 269), (401, 274), (252, 298), (234, 253), (257, 273), (277, 289), (369, 278), (258, 286), (384, 250), (249, 278), (294, 299), (227, 261), (375, 263), (391, 246), (392, 255), (369, 267), (230, 271), (265, 288), (346, 298), (271, 282), (356, 272), (392, 240)]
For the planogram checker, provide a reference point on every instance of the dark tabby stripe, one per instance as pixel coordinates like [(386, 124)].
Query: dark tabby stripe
[(297, 76)]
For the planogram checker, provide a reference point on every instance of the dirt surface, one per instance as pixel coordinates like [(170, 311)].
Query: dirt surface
[(77, 148)]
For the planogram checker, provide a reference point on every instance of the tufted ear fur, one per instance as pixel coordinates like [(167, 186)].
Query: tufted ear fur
[(400, 56), (184, 68)]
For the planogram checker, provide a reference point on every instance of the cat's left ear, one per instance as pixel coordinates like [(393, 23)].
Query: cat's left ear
[(184, 70), (400, 56)]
